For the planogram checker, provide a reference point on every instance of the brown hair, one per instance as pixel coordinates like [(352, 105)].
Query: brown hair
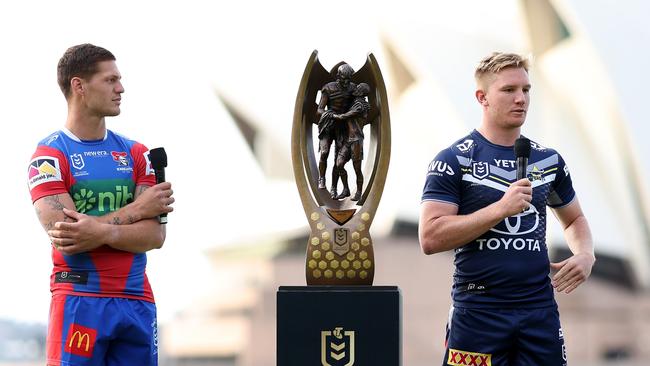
[(80, 61)]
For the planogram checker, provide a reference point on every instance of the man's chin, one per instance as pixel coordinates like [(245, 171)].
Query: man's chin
[(113, 113)]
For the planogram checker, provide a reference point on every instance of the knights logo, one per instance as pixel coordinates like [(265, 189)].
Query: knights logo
[(337, 347), (120, 158), (480, 169), (77, 161), (341, 243)]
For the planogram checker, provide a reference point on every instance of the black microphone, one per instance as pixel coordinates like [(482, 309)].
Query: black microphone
[(522, 152), (158, 159)]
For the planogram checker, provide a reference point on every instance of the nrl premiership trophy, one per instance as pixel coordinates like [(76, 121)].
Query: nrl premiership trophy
[(333, 108), (340, 148)]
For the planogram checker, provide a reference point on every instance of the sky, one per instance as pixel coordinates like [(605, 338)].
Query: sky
[(174, 56)]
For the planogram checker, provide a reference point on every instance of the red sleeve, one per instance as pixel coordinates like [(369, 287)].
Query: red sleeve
[(143, 174), (48, 173)]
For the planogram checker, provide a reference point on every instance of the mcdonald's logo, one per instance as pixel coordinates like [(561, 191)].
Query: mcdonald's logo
[(80, 340)]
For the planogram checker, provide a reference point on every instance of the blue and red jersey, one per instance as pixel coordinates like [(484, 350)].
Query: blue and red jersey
[(508, 265), (100, 176)]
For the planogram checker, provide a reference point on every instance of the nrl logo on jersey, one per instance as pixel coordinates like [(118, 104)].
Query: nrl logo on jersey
[(480, 169), (77, 161)]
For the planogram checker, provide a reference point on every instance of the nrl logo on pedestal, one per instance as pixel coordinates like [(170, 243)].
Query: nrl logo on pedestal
[(337, 347), (339, 114)]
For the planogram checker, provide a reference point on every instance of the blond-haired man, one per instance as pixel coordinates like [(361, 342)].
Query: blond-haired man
[(504, 311)]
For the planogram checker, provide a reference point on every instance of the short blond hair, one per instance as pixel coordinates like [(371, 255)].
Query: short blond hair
[(498, 61)]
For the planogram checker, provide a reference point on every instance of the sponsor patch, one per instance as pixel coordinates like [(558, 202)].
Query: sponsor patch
[(439, 168), (80, 340), (464, 358), (465, 145), (43, 169), (79, 278)]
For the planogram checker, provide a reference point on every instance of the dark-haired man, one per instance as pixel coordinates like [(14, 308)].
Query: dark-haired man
[(95, 194)]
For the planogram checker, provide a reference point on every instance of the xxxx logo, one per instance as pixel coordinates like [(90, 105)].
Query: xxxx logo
[(84, 200), (462, 358)]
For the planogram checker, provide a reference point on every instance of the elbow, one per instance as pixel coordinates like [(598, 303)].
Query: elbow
[(430, 244), (159, 239)]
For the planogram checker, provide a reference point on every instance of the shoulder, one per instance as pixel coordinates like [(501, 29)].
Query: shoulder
[(331, 86), (122, 139), (462, 147), (539, 151), (53, 140)]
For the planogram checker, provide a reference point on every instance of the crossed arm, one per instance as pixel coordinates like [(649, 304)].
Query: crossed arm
[(132, 228)]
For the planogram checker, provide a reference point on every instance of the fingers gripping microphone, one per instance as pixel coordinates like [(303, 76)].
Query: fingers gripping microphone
[(158, 159), (522, 152)]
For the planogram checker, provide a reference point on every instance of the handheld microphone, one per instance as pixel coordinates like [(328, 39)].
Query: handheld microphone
[(158, 159), (522, 152)]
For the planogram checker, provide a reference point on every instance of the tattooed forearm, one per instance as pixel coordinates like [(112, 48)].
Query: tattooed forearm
[(140, 190), (131, 219), (116, 220), (54, 202)]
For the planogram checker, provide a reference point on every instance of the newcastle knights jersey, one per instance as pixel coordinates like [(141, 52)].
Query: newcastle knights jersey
[(508, 265), (100, 176)]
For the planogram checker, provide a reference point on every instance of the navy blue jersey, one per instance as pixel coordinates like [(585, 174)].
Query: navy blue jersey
[(508, 265)]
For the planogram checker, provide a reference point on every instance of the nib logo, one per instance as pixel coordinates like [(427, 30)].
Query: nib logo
[(84, 200)]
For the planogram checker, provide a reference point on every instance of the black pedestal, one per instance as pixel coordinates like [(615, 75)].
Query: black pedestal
[(339, 326)]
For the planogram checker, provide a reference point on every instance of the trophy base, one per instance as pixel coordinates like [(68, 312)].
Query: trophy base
[(339, 326)]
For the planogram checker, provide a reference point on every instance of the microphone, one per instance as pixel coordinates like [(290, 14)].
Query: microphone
[(158, 159), (522, 152)]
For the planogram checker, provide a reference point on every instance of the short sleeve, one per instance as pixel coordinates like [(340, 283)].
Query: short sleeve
[(143, 173), (562, 192), (443, 179), (47, 173)]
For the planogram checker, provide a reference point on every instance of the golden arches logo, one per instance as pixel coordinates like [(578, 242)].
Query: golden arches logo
[(81, 337)]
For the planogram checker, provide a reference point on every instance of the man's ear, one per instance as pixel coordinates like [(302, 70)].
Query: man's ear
[(76, 86), (481, 97)]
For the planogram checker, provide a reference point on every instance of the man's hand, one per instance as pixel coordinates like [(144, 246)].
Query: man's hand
[(572, 272), (517, 198), (84, 234), (154, 201)]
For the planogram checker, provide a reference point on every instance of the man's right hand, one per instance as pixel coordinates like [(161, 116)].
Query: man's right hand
[(155, 201), (517, 198)]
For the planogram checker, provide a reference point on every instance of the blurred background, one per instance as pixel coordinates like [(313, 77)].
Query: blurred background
[(215, 84)]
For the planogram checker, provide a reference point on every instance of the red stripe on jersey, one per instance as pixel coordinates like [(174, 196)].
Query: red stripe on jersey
[(117, 263), (54, 342), (57, 187), (60, 265), (142, 167)]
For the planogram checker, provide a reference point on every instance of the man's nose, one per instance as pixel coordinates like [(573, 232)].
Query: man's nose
[(119, 88), (520, 98)]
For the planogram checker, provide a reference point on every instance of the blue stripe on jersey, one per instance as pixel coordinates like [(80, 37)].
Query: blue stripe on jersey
[(135, 283)]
